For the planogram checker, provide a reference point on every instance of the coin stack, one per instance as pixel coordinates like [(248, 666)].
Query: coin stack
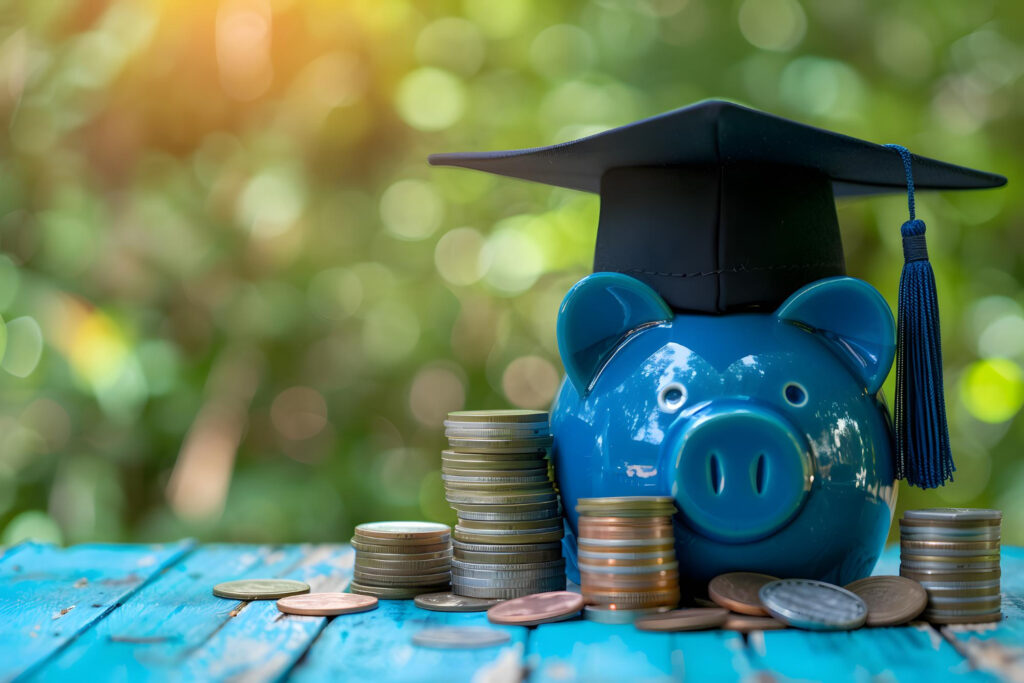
[(954, 554), (627, 556), (507, 542), (400, 560)]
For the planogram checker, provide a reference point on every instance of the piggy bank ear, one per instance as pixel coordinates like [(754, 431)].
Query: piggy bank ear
[(853, 319), (597, 314)]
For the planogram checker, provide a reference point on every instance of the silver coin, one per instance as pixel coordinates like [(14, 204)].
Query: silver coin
[(477, 497), (953, 514), (813, 605), (948, 552), (939, 602), (502, 593), (450, 602), (481, 421), (493, 577), (501, 548), (630, 569), (915, 565), (527, 516), (460, 637), (411, 570), (935, 533), (508, 532), (953, 586), (480, 566), (539, 585)]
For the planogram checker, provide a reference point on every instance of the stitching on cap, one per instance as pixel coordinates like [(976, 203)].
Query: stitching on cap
[(736, 269)]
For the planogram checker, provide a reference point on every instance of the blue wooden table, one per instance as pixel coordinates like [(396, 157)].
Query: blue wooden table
[(138, 612)]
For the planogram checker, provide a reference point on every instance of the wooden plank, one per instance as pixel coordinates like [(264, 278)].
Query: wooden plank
[(48, 596), (998, 647), (584, 650), (150, 635), (260, 643), (377, 646)]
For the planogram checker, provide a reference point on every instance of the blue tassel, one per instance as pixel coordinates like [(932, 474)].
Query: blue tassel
[(923, 454)]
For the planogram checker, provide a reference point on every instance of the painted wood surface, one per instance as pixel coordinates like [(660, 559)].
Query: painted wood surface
[(48, 597), (157, 619), (377, 646)]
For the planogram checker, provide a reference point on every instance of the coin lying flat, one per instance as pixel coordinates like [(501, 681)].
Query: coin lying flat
[(891, 600), (954, 515), (539, 608), (745, 623), (450, 602), (738, 592), (691, 619), (403, 530), (394, 592), (259, 589), (460, 637), (813, 605), (326, 604), (501, 415)]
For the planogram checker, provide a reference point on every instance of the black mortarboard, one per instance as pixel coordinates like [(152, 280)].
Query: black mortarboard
[(716, 206), (722, 208)]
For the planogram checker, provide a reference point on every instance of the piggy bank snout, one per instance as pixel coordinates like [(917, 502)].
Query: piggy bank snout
[(741, 472)]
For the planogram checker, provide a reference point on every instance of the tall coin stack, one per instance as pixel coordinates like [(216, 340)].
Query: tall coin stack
[(496, 474), (627, 557), (400, 560), (954, 554)]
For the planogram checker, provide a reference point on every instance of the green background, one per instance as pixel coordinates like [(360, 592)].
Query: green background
[(257, 301)]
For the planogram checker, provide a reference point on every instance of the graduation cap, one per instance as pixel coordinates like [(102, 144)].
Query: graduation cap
[(721, 208)]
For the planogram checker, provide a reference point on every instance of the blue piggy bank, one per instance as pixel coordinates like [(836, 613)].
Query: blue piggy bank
[(768, 429)]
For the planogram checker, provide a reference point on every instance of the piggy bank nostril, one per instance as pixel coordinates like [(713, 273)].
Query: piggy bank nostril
[(715, 478), (760, 473)]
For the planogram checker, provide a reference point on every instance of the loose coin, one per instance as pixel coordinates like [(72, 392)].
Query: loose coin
[(539, 608), (690, 619), (501, 415), (891, 600), (326, 604), (450, 602), (259, 589), (954, 515), (459, 637), (403, 530), (738, 591), (813, 605), (745, 623)]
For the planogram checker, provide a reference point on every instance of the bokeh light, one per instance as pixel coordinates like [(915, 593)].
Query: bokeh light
[(239, 302)]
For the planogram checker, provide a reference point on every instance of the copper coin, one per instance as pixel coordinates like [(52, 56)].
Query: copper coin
[(588, 586), (745, 623), (891, 600), (326, 604), (691, 619), (605, 534), (539, 608), (611, 564), (738, 591)]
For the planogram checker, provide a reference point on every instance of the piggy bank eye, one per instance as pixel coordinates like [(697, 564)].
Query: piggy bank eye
[(672, 397), (795, 394)]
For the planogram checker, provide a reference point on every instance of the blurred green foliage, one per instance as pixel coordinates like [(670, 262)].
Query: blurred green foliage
[(258, 302)]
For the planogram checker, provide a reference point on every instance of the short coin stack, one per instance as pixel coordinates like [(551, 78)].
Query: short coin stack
[(400, 560), (627, 556), (954, 554), (497, 478)]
